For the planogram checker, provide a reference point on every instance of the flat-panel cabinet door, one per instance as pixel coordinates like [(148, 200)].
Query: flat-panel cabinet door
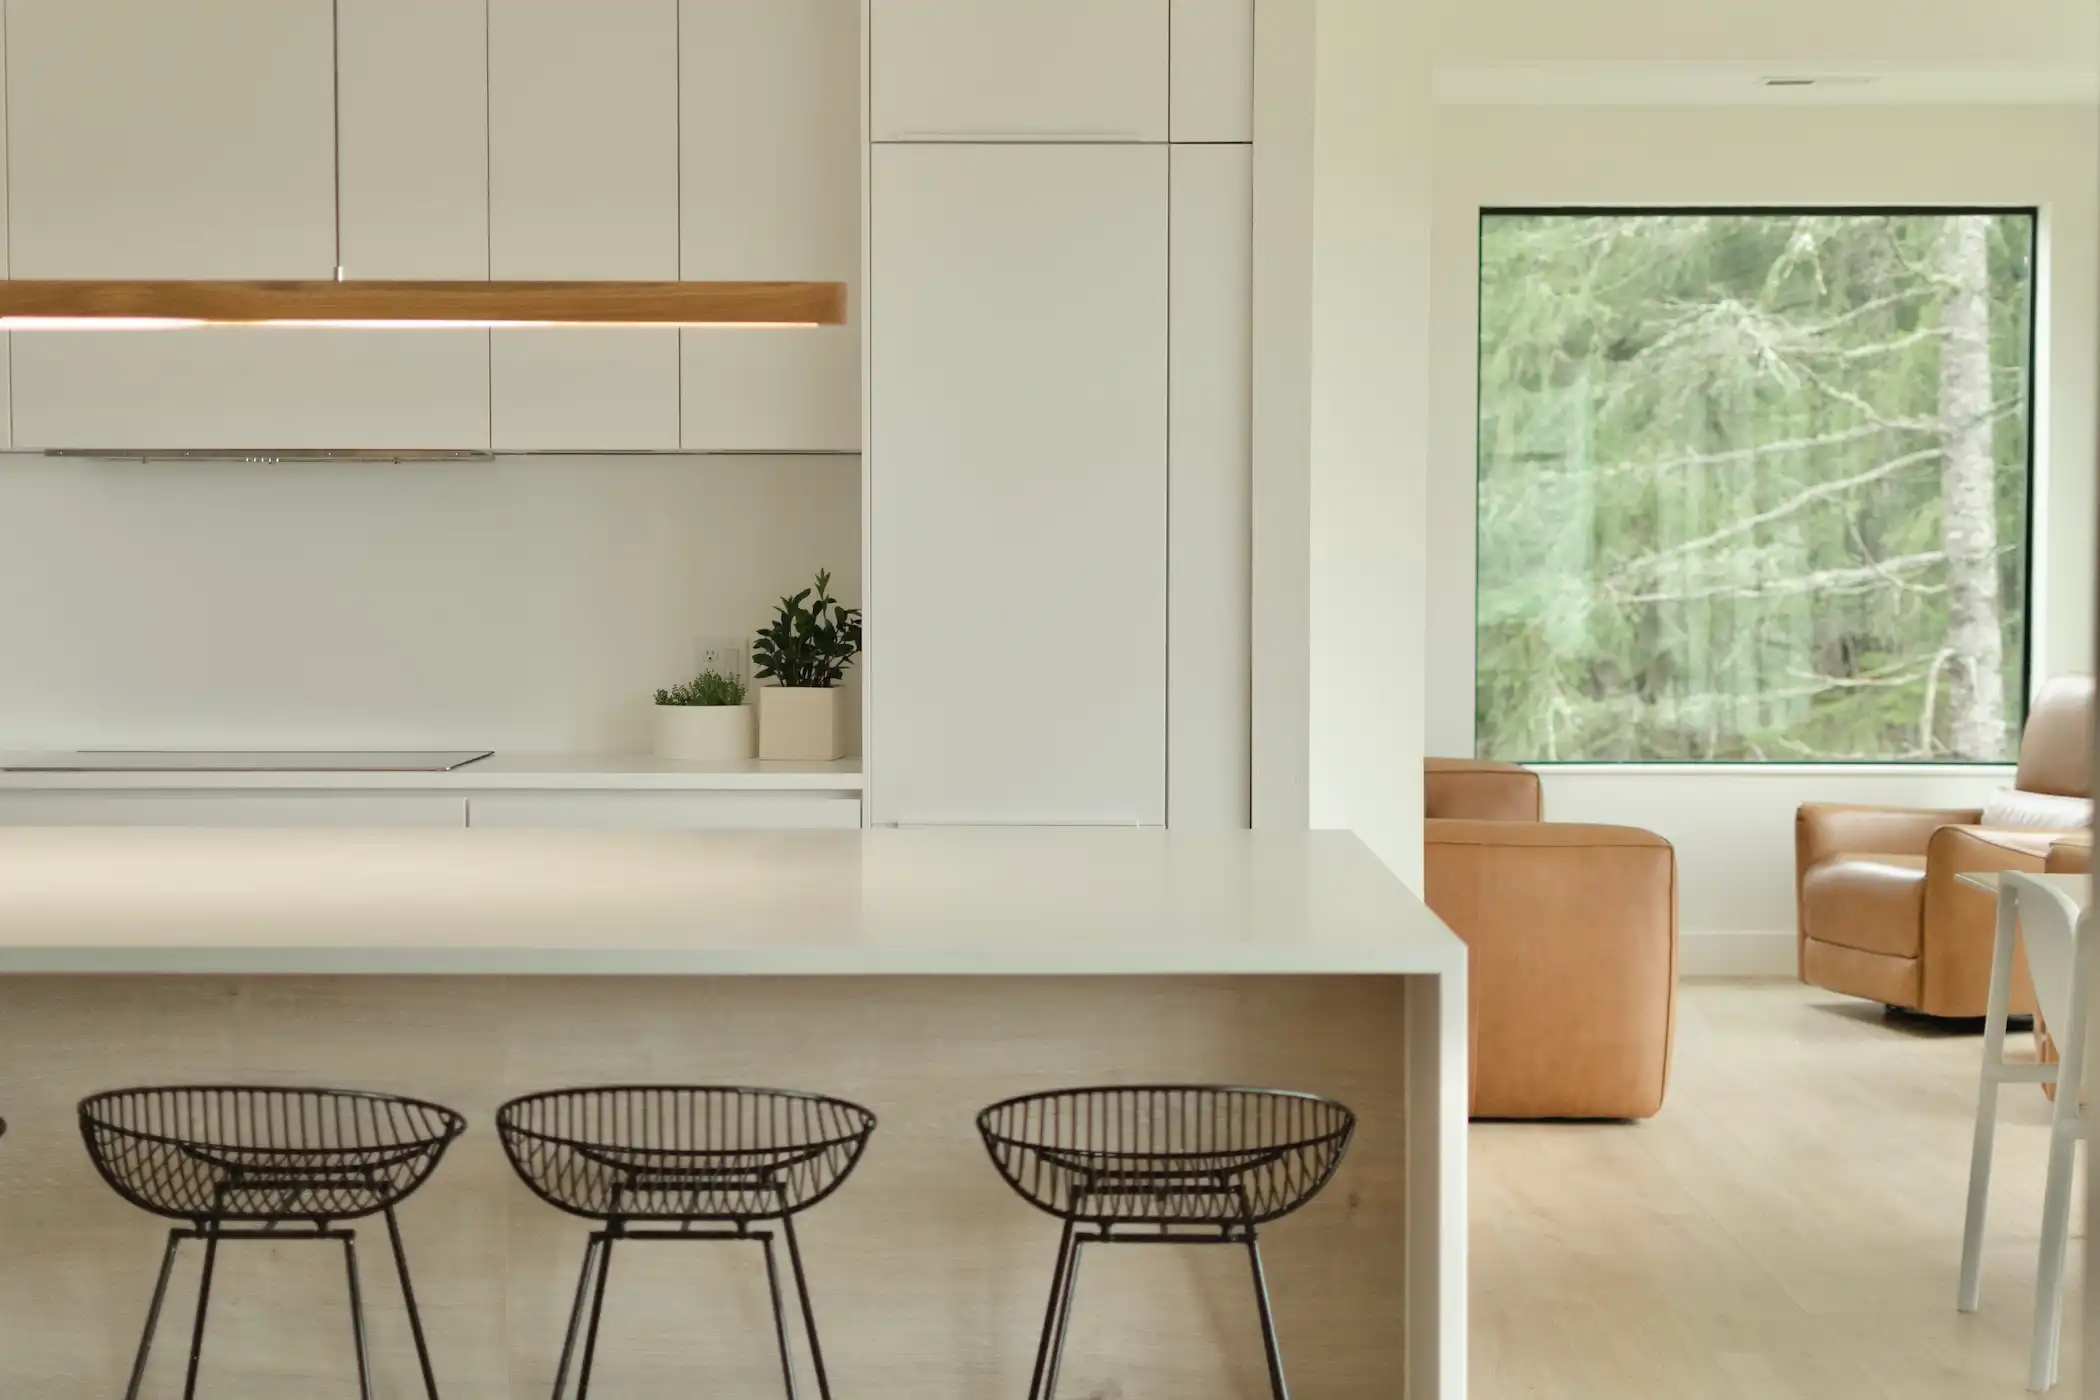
[(1213, 62), (1210, 484), (171, 138), (280, 809), (1026, 70), (583, 184), (770, 156), (197, 139), (1018, 470), (665, 811)]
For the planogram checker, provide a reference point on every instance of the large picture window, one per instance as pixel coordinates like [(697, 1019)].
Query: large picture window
[(1753, 485)]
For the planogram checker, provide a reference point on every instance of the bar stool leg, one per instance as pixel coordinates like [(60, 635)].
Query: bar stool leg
[(780, 1318), (408, 1296), (1268, 1320), (590, 1336), (160, 1295), (809, 1312), (583, 1291), (1064, 1319), (1050, 1313), (211, 1260), (357, 1319)]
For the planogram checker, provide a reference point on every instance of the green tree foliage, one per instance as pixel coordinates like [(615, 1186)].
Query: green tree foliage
[(1739, 498)]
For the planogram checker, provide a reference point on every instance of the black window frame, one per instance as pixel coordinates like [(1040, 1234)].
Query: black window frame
[(2031, 212)]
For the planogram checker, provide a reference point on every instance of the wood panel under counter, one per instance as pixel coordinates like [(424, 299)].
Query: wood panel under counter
[(923, 973)]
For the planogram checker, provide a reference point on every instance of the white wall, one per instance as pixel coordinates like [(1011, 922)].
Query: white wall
[(1733, 828), (1341, 268), (529, 603), (1370, 250), (1939, 34)]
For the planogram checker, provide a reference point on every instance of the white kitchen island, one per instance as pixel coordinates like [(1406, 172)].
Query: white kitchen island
[(921, 972)]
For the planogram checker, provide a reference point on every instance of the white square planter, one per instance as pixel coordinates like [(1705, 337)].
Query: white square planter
[(706, 733), (801, 723)]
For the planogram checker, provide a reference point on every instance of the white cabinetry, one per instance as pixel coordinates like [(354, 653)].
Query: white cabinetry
[(175, 808), (171, 138), (1210, 476), (6, 368), (583, 184), (196, 139), (1213, 70), (665, 811), (1029, 70), (770, 156), (414, 140), (1018, 478)]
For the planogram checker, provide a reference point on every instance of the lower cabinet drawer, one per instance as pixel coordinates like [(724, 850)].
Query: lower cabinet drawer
[(668, 811), (266, 809)]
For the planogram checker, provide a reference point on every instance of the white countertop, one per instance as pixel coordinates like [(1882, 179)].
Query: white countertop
[(1008, 901), (498, 772)]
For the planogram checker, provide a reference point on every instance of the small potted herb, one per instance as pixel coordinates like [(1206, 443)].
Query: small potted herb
[(705, 720), (805, 654)]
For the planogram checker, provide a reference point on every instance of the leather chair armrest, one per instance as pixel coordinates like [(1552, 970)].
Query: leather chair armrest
[(1961, 923), (1479, 789), (2070, 855), (1825, 829)]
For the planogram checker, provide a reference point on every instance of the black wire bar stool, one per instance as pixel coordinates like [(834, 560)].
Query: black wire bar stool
[(1162, 1164), (267, 1164), (683, 1163)]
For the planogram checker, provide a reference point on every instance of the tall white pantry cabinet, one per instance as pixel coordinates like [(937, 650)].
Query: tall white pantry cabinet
[(1059, 355)]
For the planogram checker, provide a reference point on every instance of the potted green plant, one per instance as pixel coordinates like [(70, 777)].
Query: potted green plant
[(705, 720), (805, 653)]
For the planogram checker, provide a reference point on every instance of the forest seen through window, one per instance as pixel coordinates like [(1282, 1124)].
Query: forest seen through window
[(1753, 486)]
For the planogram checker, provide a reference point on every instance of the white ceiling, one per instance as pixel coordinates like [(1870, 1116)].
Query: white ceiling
[(1770, 83), (1718, 51)]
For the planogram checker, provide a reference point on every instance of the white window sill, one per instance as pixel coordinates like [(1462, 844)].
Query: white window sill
[(2002, 772)]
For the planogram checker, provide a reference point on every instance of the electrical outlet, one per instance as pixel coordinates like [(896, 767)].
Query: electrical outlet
[(725, 657)]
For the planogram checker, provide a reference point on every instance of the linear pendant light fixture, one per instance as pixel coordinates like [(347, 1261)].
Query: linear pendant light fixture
[(135, 305)]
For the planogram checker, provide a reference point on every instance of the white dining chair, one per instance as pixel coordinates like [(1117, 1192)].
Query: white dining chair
[(2062, 964)]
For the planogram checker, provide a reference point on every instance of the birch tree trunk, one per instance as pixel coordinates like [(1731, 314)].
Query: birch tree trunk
[(1968, 487)]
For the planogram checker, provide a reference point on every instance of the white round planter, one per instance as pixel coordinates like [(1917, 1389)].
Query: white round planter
[(706, 733)]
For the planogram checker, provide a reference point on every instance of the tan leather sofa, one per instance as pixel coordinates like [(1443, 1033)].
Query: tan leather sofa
[(1880, 911), (1573, 934)]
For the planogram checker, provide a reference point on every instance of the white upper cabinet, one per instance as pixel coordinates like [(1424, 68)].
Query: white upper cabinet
[(1018, 484), (414, 141), (1213, 62), (196, 139), (172, 138), (583, 184), (770, 156), (7, 414), (1018, 70)]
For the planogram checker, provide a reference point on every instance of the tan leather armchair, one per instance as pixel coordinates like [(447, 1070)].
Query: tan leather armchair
[(1880, 911), (2071, 855), (1573, 936)]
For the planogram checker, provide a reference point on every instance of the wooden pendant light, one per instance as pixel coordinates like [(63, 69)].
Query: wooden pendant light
[(131, 305)]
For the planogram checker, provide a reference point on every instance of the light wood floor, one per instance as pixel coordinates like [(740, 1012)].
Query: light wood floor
[(1790, 1226)]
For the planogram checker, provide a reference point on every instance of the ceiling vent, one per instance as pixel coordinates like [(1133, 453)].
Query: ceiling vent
[(1847, 80)]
